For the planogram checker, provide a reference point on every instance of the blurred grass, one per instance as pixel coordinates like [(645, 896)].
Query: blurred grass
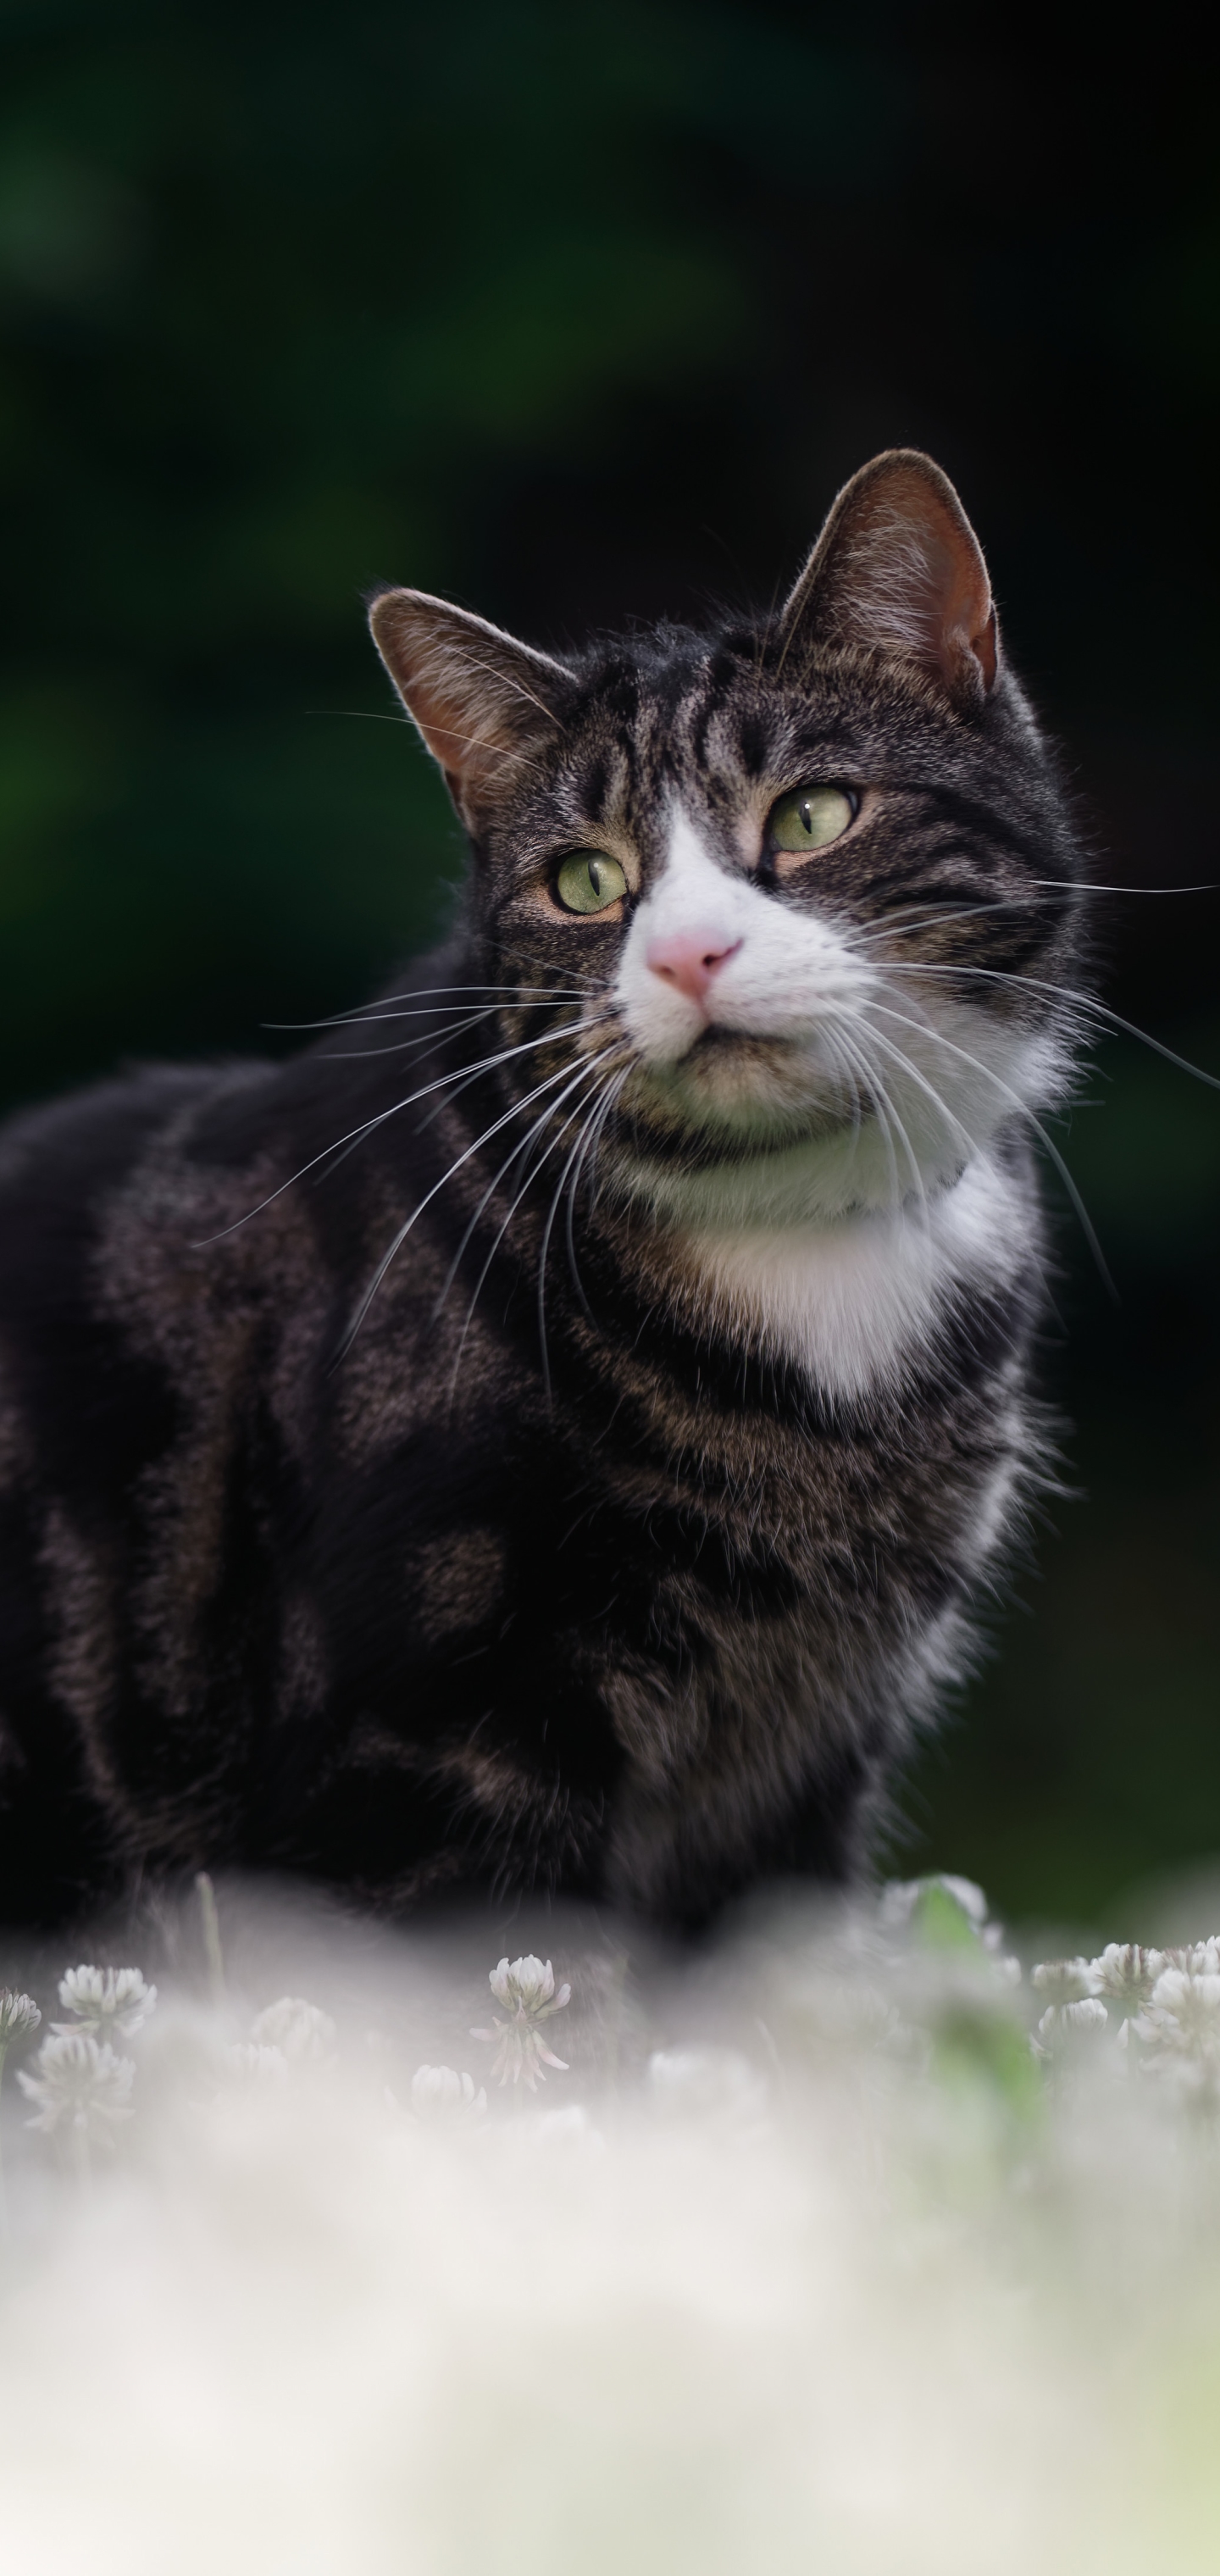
[(577, 316)]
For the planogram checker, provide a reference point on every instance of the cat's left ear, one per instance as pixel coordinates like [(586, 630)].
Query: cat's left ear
[(483, 702), (898, 566)]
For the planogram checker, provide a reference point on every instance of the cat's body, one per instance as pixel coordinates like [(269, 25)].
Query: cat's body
[(623, 1542)]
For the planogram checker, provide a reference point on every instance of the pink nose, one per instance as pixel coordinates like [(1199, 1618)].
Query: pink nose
[(688, 959)]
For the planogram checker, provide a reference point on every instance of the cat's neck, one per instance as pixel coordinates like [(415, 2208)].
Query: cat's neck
[(853, 1300)]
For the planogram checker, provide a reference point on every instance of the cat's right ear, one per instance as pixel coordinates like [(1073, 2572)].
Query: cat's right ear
[(483, 702), (899, 568)]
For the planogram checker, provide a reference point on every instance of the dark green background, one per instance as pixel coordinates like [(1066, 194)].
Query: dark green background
[(579, 313)]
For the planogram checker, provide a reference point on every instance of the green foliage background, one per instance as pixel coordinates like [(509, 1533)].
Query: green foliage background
[(583, 314)]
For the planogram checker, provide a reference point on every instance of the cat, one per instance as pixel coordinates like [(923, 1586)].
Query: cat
[(555, 1432)]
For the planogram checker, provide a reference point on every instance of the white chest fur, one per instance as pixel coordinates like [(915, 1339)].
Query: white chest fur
[(851, 1299)]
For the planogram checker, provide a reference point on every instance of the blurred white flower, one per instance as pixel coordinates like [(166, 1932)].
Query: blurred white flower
[(19, 2014), (78, 2083), (258, 2064), (1179, 2027), (1067, 1981), (305, 2034), (527, 1989), (1125, 1972), (105, 2000), (1185, 2006), (440, 2092), (1088, 2013)]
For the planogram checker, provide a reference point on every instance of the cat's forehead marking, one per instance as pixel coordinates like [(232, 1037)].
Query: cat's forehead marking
[(687, 852), (678, 744)]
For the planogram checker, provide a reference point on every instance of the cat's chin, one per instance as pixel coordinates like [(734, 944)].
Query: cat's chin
[(749, 1091)]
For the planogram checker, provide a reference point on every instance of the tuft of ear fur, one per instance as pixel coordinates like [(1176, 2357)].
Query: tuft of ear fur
[(481, 700), (898, 565)]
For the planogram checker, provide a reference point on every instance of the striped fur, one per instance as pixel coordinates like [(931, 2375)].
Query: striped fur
[(583, 1475)]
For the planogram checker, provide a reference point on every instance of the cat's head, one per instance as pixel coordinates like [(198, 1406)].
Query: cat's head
[(800, 887)]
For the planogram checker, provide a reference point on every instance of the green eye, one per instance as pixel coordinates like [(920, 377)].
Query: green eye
[(588, 881), (811, 818)]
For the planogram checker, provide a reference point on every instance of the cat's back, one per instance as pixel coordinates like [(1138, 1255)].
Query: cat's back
[(61, 1167), (69, 1173)]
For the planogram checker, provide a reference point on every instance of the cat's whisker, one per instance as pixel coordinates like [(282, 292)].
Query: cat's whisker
[(475, 1073), (547, 1231), (1085, 885), (1083, 1002), (969, 1142), (500, 993), (569, 1222), (425, 1045), (880, 1085), (405, 1229), (503, 998), (530, 1177), (614, 1087), (506, 1166), (587, 983), (927, 1028), (460, 1074), (427, 1048), (847, 1077), (493, 1185), (521, 1194), (611, 1089), (919, 918), (363, 715), (881, 1105), (449, 1088)]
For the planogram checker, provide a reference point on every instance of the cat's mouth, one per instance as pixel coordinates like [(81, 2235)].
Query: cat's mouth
[(717, 1039), (749, 1085)]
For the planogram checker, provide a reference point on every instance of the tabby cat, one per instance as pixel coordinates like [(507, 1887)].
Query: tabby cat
[(551, 1433)]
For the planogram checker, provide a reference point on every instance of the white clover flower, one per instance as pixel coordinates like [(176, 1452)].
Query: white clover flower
[(1179, 2027), (1087, 2013), (1067, 1981), (79, 2084), (526, 1987), (105, 2000), (1126, 1973), (303, 2032), (439, 2092), (258, 2065), (1187, 2003), (19, 2014)]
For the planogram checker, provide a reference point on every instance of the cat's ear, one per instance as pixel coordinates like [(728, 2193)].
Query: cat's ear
[(482, 702), (898, 565)]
